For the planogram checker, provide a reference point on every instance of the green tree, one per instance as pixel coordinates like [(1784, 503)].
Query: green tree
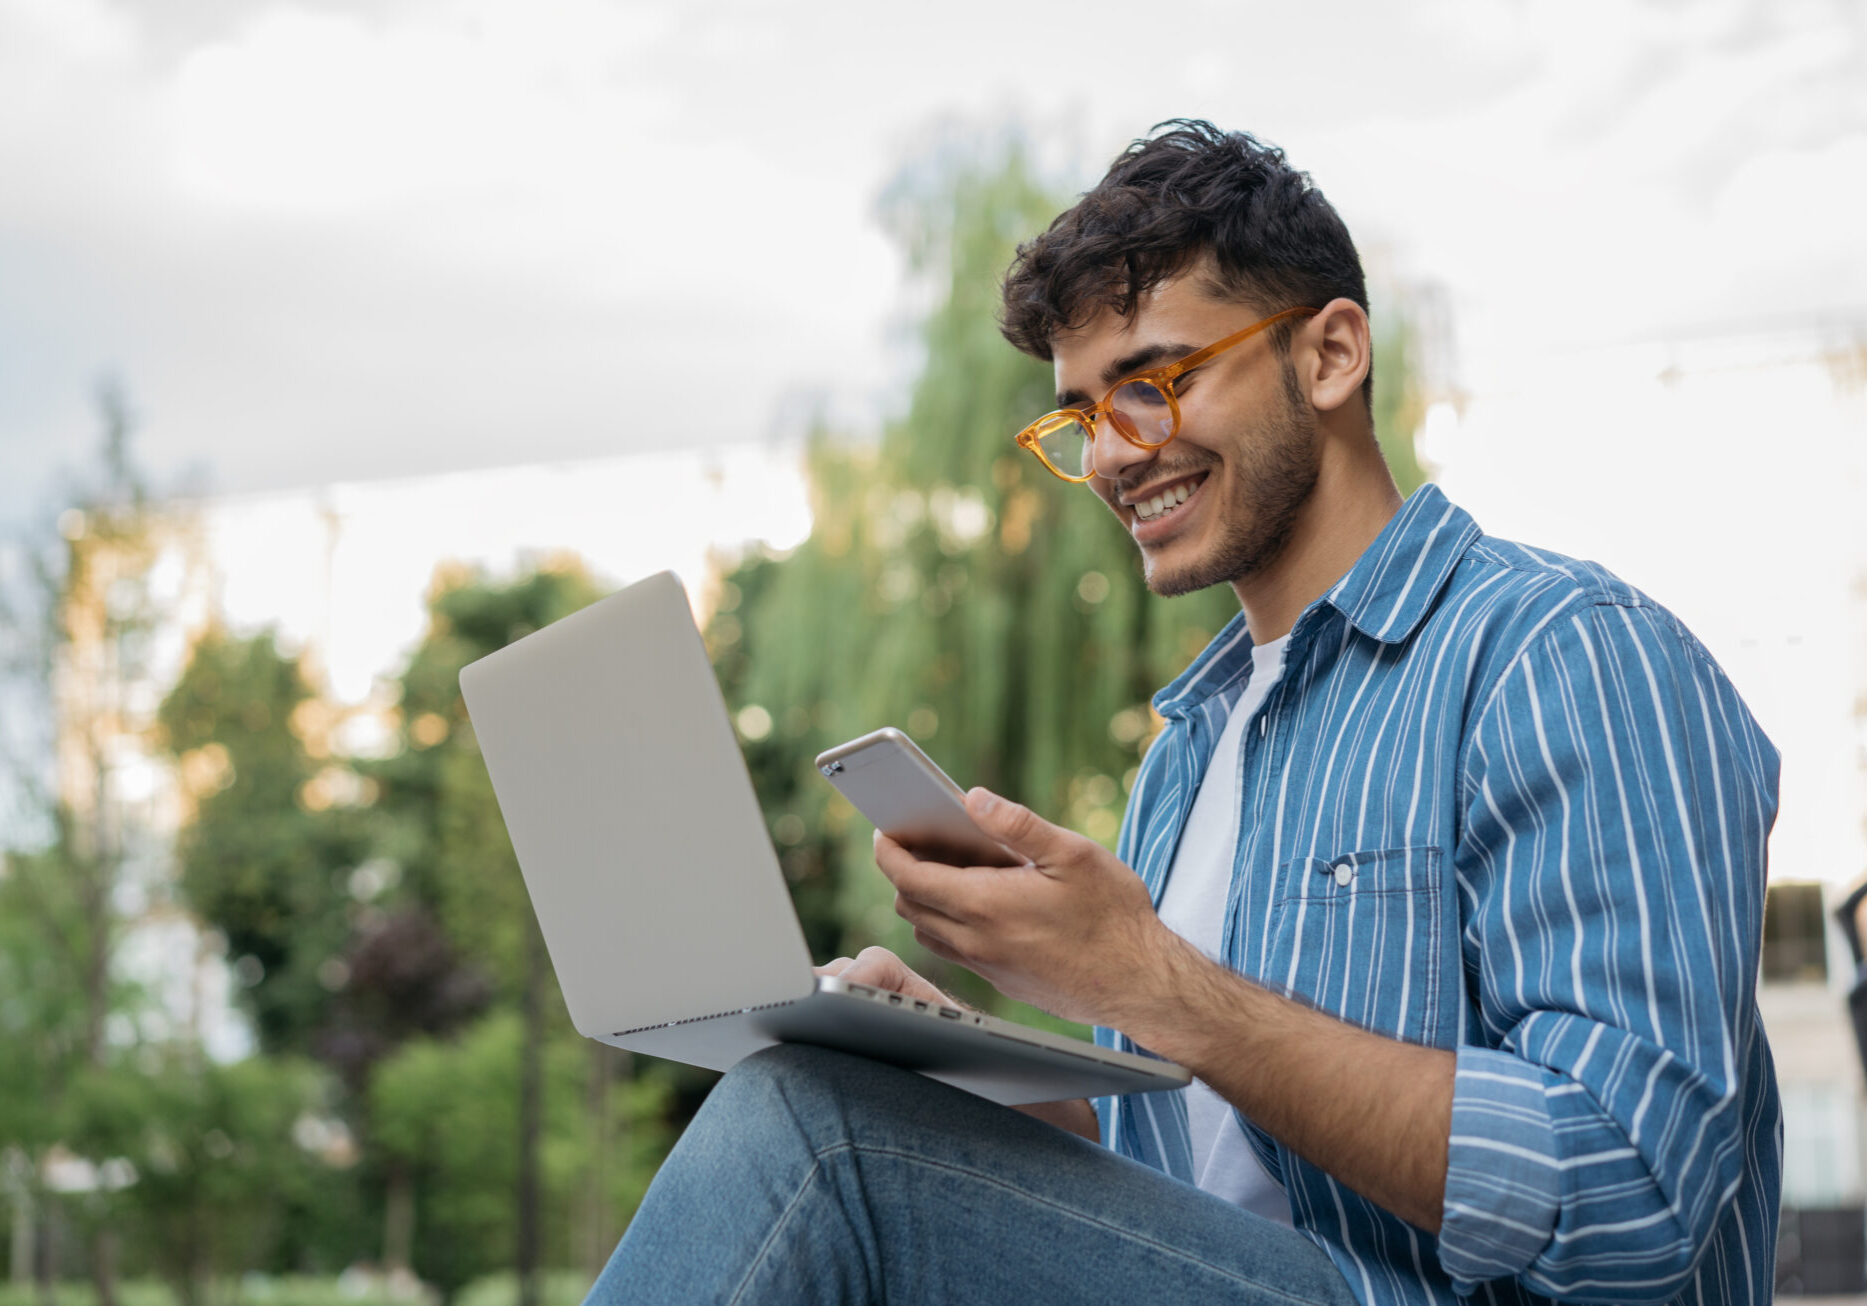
[(202, 1165), (443, 1110), (270, 849), (440, 824), (265, 855), (75, 622), (42, 1023)]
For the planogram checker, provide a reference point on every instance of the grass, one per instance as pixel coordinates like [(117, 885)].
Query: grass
[(559, 1288)]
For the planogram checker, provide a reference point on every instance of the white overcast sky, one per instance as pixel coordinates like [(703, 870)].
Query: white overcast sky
[(324, 241)]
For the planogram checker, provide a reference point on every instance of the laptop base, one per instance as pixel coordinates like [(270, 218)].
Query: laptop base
[(1001, 1061)]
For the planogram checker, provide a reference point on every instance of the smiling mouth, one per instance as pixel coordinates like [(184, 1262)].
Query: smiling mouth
[(1159, 505)]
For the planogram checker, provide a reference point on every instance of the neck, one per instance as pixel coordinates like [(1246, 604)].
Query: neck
[(1355, 497)]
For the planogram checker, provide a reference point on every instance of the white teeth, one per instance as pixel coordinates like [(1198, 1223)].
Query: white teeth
[(1167, 501)]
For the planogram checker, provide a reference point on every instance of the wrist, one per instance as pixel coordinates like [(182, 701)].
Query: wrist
[(1155, 1004), (1202, 1014)]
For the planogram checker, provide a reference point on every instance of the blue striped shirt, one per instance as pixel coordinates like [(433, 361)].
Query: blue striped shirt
[(1503, 803)]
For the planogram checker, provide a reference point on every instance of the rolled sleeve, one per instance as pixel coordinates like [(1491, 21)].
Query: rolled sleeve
[(1503, 1175), (1619, 802)]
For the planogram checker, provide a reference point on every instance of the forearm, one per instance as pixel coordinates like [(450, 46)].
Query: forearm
[(1373, 1112), (1074, 1115)]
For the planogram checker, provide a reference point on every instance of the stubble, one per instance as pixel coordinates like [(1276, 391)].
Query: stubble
[(1271, 478)]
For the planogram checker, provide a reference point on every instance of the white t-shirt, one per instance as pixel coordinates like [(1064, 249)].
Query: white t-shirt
[(1194, 908)]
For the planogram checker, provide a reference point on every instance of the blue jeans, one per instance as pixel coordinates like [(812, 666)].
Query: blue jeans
[(815, 1177)]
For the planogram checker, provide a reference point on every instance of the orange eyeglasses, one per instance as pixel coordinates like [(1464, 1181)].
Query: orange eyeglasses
[(1140, 407)]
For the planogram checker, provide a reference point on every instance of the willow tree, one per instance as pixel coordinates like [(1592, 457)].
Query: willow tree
[(950, 586)]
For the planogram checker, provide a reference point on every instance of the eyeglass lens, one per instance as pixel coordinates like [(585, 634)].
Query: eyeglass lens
[(1140, 411)]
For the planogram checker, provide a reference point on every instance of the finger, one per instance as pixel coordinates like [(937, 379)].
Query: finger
[(919, 913), (949, 890), (938, 945), (1017, 827), (890, 857), (836, 967), (878, 966)]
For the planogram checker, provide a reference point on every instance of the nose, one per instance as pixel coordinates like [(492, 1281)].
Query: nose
[(1115, 457)]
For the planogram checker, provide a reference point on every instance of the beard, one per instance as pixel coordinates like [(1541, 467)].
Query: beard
[(1270, 481)]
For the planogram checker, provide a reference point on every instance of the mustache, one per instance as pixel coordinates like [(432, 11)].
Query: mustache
[(1157, 473)]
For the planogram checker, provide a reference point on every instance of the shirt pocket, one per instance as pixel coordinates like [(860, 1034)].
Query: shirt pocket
[(1358, 935)]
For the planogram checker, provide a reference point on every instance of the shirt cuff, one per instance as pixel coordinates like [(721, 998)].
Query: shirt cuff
[(1503, 1177)]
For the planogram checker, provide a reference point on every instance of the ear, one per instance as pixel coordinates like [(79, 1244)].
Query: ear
[(1333, 352)]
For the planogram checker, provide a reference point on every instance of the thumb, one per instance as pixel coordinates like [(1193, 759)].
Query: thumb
[(1018, 828)]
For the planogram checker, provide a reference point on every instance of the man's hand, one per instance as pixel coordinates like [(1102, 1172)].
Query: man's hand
[(1072, 931), (881, 969)]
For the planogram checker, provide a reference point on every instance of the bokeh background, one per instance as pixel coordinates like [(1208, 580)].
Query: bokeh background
[(343, 342)]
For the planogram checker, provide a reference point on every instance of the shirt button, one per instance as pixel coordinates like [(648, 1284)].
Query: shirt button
[(1343, 874)]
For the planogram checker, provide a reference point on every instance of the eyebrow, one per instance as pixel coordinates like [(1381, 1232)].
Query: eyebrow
[(1127, 365)]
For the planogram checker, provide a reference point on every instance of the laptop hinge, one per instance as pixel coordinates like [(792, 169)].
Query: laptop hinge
[(690, 1020)]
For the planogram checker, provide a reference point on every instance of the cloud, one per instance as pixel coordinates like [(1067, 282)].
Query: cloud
[(323, 239), (321, 244)]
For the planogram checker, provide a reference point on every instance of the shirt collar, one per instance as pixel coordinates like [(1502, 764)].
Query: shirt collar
[(1392, 586), (1218, 665), (1385, 595)]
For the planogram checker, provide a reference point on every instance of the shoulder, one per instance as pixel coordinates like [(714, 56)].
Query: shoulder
[(1520, 611), (1547, 600), (1523, 572), (1507, 599), (1582, 644)]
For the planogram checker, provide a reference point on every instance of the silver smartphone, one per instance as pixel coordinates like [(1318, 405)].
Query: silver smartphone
[(910, 800)]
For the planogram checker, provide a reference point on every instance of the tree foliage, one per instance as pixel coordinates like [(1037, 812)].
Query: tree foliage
[(82, 621), (207, 1160), (438, 824), (265, 858), (445, 1109), (435, 816)]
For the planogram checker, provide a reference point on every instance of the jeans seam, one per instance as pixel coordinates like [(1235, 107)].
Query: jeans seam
[(996, 1182), (777, 1227)]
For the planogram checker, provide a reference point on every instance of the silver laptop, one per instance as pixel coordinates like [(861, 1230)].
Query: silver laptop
[(656, 885)]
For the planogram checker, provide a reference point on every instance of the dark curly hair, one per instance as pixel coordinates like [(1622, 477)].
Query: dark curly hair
[(1186, 190)]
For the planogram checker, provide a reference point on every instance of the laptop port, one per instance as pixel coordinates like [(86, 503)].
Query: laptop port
[(919, 1005), (951, 1013), (894, 999)]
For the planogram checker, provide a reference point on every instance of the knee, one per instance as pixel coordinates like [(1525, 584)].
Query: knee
[(784, 1072), (788, 1061), (811, 1090)]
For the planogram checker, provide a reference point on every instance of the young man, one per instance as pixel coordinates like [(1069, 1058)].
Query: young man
[(1445, 876)]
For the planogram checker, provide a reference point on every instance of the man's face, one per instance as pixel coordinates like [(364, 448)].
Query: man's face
[(1220, 501)]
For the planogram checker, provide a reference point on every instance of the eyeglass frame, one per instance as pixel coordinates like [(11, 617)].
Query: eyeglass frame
[(1161, 378)]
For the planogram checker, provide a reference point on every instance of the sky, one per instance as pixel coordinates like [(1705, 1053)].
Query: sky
[(326, 241)]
